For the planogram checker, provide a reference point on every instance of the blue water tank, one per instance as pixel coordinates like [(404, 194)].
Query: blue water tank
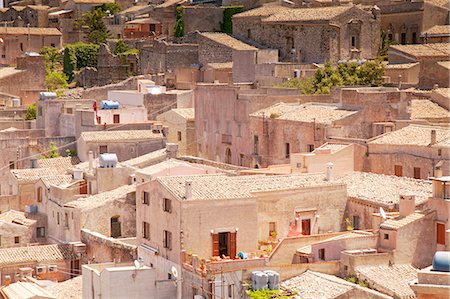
[(441, 261), (109, 105)]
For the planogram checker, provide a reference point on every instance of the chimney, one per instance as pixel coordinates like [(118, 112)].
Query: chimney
[(407, 205), (91, 161), (435, 86), (433, 137), (329, 171), (188, 194)]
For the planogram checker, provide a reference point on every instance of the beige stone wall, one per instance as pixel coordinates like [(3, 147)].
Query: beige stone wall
[(176, 125)]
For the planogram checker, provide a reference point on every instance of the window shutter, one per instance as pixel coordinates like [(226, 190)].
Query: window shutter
[(215, 244), (232, 245), (169, 236)]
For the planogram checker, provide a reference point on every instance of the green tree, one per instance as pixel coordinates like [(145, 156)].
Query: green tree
[(51, 151), (385, 43), (53, 59), (121, 47), (97, 32), (227, 25), (55, 81), (371, 73), (79, 55), (113, 8), (178, 31), (31, 112)]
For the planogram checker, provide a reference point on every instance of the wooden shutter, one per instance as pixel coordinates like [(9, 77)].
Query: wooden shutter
[(232, 244), (215, 244), (440, 233)]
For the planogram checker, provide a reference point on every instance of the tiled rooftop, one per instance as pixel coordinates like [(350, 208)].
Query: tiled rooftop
[(210, 186), (413, 135), (30, 30), (445, 64), (445, 92), (421, 109), (8, 71), (263, 11), (325, 114), (98, 200), (401, 65), (424, 50), (187, 113), (99, 2), (395, 278), (314, 285), (438, 30), (33, 174), (333, 147), (62, 164), (227, 40), (104, 136), (147, 159), (442, 3), (69, 289), (308, 14), (385, 189), (397, 223), (23, 289), (13, 216), (57, 180), (41, 253)]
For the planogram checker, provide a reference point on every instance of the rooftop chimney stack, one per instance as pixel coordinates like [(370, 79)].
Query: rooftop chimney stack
[(91, 161), (407, 205), (329, 171), (433, 137), (188, 194)]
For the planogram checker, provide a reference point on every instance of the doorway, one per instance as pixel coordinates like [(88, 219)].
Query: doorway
[(306, 227), (116, 231), (224, 244)]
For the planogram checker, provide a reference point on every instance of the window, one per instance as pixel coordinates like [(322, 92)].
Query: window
[(403, 38), (440, 233), (40, 232), (322, 254), (16, 240), (179, 136), (249, 33), (255, 144), (205, 125), (39, 111), (57, 218), (52, 45), (12, 165), (230, 291), (152, 28), (66, 220), (103, 149), (353, 41), (39, 194), (21, 47), (414, 38), (417, 172), (241, 159), (386, 236), (69, 110), (167, 239), (439, 152), (310, 148), (145, 198), (116, 118), (398, 170), (167, 205), (390, 36), (287, 150), (272, 228), (146, 230), (355, 222)]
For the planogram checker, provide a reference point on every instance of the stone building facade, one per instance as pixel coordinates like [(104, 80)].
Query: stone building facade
[(346, 32), (21, 16)]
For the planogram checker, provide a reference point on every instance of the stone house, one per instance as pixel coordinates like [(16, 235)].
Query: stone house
[(50, 262), (368, 192), (415, 151), (225, 111), (26, 80), (431, 282), (347, 32), (125, 144), (16, 230), (283, 129), (176, 213), (433, 60), (403, 73), (82, 6), (181, 124), (21, 16), (18, 40)]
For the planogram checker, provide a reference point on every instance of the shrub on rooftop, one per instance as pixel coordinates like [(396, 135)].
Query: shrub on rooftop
[(178, 31)]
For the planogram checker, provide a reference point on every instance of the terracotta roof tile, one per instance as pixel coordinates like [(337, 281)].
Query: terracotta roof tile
[(263, 11), (413, 135), (41, 253), (30, 30), (424, 50), (99, 136), (421, 109), (438, 30), (308, 14), (227, 40)]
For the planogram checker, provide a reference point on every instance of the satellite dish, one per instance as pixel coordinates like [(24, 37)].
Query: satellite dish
[(174, 272), (383, 213), (137, 264)]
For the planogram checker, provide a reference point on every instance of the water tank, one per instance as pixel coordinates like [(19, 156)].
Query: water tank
[(15, 102), (77, 174), (107, 160), (259, 280), (109, 105), (31, 209), (441, 261), (199, 297), (273, 280), (47, 95)]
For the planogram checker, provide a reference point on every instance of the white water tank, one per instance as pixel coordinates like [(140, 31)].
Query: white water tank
[(107, 160), (273, 279), (77, 174), (259, 280)]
